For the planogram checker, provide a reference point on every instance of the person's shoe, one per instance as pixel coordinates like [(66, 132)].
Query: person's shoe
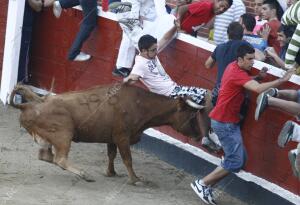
[(82, 57), (292, 157), (121, 72), (57, 9), (262, 103), (272, 92), (297, 160), (204, 192), (208, 144), (130, 23), (119, 7), (286, 133)]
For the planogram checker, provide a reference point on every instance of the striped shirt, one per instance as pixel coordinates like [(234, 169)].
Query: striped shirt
[(292, 17), (222, 21)]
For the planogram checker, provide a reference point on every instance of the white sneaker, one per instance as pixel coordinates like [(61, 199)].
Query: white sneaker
[(57, 9), (204, 192), (82, 57)]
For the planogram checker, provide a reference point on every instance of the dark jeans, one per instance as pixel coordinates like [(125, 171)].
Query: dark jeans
[(88, 23)]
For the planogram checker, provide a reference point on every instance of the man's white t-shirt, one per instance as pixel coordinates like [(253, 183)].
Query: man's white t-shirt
[(153, 75)]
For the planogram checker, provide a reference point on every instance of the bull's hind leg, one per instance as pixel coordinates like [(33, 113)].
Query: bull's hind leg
[(112, 153), (62, 149), (124, 149)]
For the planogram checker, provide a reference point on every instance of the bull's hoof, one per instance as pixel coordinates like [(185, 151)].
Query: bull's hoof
[(87, 177), (134, 181), (111, 173)]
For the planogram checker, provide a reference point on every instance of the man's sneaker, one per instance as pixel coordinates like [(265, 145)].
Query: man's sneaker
[(82, 57), (292, 157), (208, 144), (286, 133), (130, 23), (120, 7), (272, 92), (204, 192), (57, 9), (262, 103), (214, 137), (297, 160), (121, 72)]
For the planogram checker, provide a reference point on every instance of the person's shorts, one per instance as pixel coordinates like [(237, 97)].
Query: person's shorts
[(195, 93), (231, 140)]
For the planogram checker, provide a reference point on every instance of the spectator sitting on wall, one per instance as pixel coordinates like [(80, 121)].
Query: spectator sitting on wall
[(191, 16), (140, 12), (272, 12), (223, 20), (259, 20), (291, 17), (289, 102), (87, 25), (225, 118), (284, 36)]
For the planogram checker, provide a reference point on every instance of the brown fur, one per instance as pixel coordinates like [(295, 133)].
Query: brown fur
[(115, 114)]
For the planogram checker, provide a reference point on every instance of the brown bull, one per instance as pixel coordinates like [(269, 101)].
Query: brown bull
[(114, 114)]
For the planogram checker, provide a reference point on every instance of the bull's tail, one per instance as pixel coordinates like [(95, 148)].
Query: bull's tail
[(27, 94)]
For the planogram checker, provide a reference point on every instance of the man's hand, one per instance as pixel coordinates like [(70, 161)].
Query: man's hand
[(270, 51), (288, 74), (132, 78)]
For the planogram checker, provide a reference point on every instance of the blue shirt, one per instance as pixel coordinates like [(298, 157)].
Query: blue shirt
[(224, 54), (256, 41)]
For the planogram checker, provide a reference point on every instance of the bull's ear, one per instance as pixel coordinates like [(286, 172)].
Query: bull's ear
[(181, 104)]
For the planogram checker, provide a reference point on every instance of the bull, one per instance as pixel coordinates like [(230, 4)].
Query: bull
[(114, 114)]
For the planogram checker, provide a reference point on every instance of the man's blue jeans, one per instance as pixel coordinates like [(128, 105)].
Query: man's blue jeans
[(88, 23), (232, 143)]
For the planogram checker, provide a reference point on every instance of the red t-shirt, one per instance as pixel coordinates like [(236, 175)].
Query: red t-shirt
[(197, 14), (272, 39), (231, 94)]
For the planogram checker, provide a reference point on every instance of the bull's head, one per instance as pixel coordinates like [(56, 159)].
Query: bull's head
[(185, 118)]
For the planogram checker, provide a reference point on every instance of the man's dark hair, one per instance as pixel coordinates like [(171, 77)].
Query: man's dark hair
[(235, 31), (273, 4), (243, 50), (249, 21), (146, 41), (288, 31), (229, 3)]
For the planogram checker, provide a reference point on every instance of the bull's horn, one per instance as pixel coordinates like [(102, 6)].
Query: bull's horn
[(193, 104)]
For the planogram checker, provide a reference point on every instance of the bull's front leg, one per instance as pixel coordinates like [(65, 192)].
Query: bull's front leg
[(111, 152), (124, 149)]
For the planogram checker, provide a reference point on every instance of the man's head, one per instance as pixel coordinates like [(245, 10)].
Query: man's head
[(257, 7), (148, 46), (248, 22), (245, 56), (235, 31), (271, 9), (220, 6), (284, 34)]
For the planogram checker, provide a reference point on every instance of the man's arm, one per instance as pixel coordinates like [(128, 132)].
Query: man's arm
[(181, 12), (165, 40), (132, 78), (210, 62), (261, 87)]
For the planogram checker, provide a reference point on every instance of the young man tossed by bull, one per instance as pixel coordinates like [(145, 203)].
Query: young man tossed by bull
[(148, 69)]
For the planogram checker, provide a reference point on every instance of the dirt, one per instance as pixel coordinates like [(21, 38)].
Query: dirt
[(26, 180)]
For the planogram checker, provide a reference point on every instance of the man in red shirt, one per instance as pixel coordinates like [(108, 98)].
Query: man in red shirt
[(225, 118), (198, 13)]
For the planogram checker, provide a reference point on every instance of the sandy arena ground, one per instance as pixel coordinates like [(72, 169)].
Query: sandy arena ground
[(26, 180)]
